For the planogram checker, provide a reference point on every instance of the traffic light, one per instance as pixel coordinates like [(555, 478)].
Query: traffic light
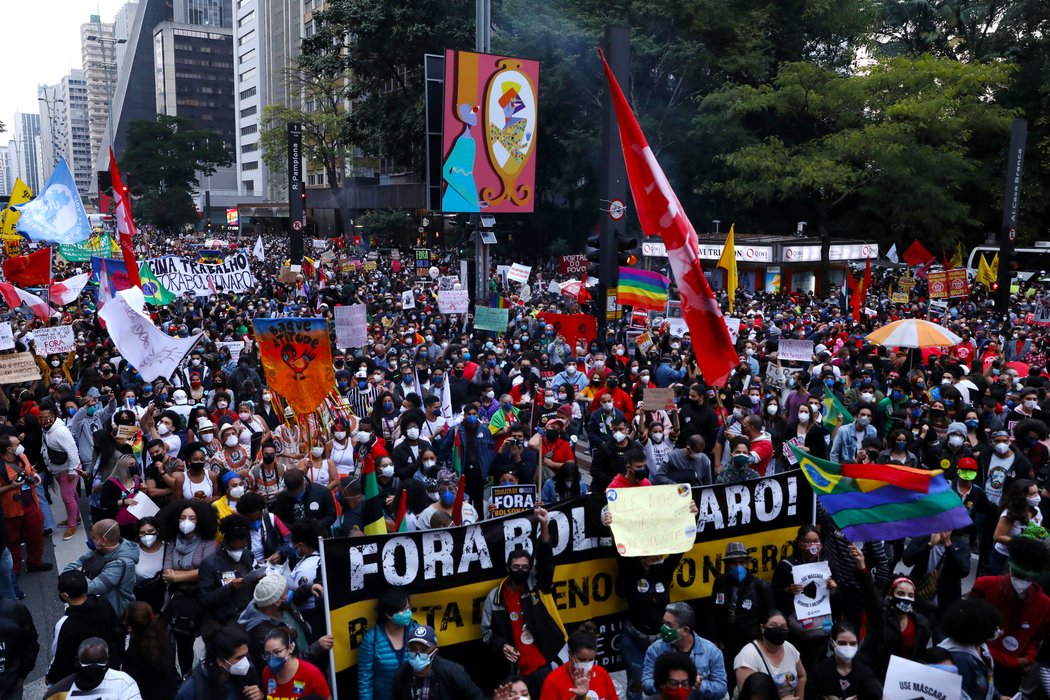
[(625, 251), (594, 257)]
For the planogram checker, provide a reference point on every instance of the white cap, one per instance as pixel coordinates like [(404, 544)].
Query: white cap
[(204, 424)]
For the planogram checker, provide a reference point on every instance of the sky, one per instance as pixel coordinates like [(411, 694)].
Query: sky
[(41, 43)]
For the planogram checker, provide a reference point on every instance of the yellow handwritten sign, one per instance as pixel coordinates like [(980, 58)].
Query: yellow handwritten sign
[(650, 520)]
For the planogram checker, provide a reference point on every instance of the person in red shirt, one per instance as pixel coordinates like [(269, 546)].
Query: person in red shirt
[(761, 443), (1025, 610), (553, 449), (635, 471), (286, 676), (621, 399), (581, 677)]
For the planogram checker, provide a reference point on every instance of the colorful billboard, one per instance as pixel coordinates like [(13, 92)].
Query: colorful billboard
[(489, 133)]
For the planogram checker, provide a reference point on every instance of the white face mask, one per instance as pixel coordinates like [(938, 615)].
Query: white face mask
[(230, 441), (1001, 447), (608, 406), (429, 463), (490, 394), (584, 666), (1033, 501), (955, 440), (242, 667), (867, 396), (412, 433), (845, 653), (738, 413), (363, 436), (619, 436), (163, 429), (803, 418), (207, 437), (244, 416), (387, 472), (339, 434), (222, 404), (657, 437), (1031, 405), (235, 554), (147, 541), (266, 398), (1020, 586), (316, 451), (236, 492), (187, 526), (772, 409), (945, 381)]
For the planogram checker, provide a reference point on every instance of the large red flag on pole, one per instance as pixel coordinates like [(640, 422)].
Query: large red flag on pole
[(660, 212), (125, 224)]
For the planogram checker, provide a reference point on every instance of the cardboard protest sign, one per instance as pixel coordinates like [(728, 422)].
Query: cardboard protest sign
[(179, 275), (7, 336), (653, 520), (53, 340), (510, 499), (17, 368), (453, 301), (519, 273), (658, 399), (489, 319), (795, 350), (909, 680), (351, 325)]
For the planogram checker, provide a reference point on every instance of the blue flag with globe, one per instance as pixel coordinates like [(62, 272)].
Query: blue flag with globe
[(57, 214)]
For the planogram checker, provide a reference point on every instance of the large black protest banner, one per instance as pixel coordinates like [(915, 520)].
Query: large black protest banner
[(449, 572)]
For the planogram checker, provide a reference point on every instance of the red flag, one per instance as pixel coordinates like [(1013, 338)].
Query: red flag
[(15, 297), (457, 507), (916, 254), (402, 509), (856, 300), (33, 270), (125, 224), (867, 276), (660, 212), (582, 296)]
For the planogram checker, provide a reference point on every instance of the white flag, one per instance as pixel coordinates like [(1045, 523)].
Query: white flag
[(68, 290), (891, 254), (258, 250), (151, 351)]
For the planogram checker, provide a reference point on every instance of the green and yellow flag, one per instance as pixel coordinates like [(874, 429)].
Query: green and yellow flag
[(835, 414), (984, 272), (155, 292)]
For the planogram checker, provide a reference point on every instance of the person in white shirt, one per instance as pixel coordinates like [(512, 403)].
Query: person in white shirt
[(93, 678), (63, 461)]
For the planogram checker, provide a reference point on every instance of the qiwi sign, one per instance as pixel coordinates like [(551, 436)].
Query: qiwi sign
[(744, 253), (844, 251)]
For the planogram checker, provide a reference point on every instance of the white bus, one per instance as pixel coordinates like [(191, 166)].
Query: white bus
[(1030, 261)]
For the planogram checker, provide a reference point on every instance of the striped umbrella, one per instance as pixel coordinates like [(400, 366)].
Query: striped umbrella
[(914, 333)]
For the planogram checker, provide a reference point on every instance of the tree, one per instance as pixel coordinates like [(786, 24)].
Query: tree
[(891, 142), (379, 46), (321, 114), (162, 163)]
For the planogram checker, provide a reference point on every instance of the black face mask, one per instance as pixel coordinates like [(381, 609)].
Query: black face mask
[(196, 467), (518, 578), (776, 635), (90, 677), (269, 458)]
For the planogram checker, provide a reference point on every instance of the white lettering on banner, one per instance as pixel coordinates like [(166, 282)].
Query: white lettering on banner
[(54, 340), (453, 301), (351, 324), (188, 275), (744, 253), (7, 337), (811, 253)]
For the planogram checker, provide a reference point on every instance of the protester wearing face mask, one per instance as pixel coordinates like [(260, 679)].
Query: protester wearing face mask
[(674, 676), (302, 498), (150, 587), (1020, 507), (688, 465), (291, 440), (519, 618), (581, 676), (268, 535), (427, 672), (609, 456), (657, 447), (384, 644), (810, 636), (110, 566), (447, 485), (234, 487), (227, 577), (894, 626), (285, 674), (251, 429), (842, 675), (226, 672), (266, 476), (849, 438), (85, 616), (741, 602), (939, 563), (93, 677), (340, 449), (739, 468), (232, 456), (1001, 467), (969, 625), (772, 653), (678, 634), (303, 573), (1025, 611), (601, 423), (197, 482), (189, 529), (319, 469)]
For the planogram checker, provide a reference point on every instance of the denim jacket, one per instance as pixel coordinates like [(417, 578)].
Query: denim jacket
[(709, 665)]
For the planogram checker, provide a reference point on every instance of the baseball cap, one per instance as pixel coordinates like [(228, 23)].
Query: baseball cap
[(424, 634)]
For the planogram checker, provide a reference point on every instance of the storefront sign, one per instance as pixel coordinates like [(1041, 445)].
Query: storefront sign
[(744, 253)]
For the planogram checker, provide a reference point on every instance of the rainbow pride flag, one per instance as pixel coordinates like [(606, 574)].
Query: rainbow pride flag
[(642, 289), (879, 508)]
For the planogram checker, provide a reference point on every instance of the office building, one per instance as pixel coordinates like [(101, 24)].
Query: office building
[(122, 24), (27, 150), (98, 50), (53, 125), (74, 93)]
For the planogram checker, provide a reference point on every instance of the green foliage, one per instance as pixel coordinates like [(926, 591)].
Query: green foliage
[(389, 224), (893, 142), (161, 165), (381, 45)]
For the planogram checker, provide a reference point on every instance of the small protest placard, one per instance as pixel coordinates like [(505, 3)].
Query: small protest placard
[(408, 299), (519, 273), (7, 336), (17, 368), (795, 350), (658, 399), (127, 432), (236, 347), (513, 498), (53, 340), (489, 319), (453, 301), (351, 324), (644, 342), (815, 600), (652, 520), (733, 324), (909, 680)]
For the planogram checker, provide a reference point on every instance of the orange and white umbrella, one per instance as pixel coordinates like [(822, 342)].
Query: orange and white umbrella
[(914, 333)]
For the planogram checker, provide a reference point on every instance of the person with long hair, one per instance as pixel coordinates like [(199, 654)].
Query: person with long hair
[(810, 635), (566, 483), (894, 627), (291, 675), (149, 658), (226, 672), (149, 583), (842, 675), (118, 492), (384, 644), (1020, 507), (188, 529), (772, 653)]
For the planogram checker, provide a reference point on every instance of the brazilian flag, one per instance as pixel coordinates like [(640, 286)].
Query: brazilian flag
[(155, 292)]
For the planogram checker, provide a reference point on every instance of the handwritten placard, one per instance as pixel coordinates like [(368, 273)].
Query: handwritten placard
[(795, 350), (519, 273), (815, 599), (453, 301), (652, 520), (489, 319), (7, 336), (53, 340), (17, 368), (658, 399), (351, 324)]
